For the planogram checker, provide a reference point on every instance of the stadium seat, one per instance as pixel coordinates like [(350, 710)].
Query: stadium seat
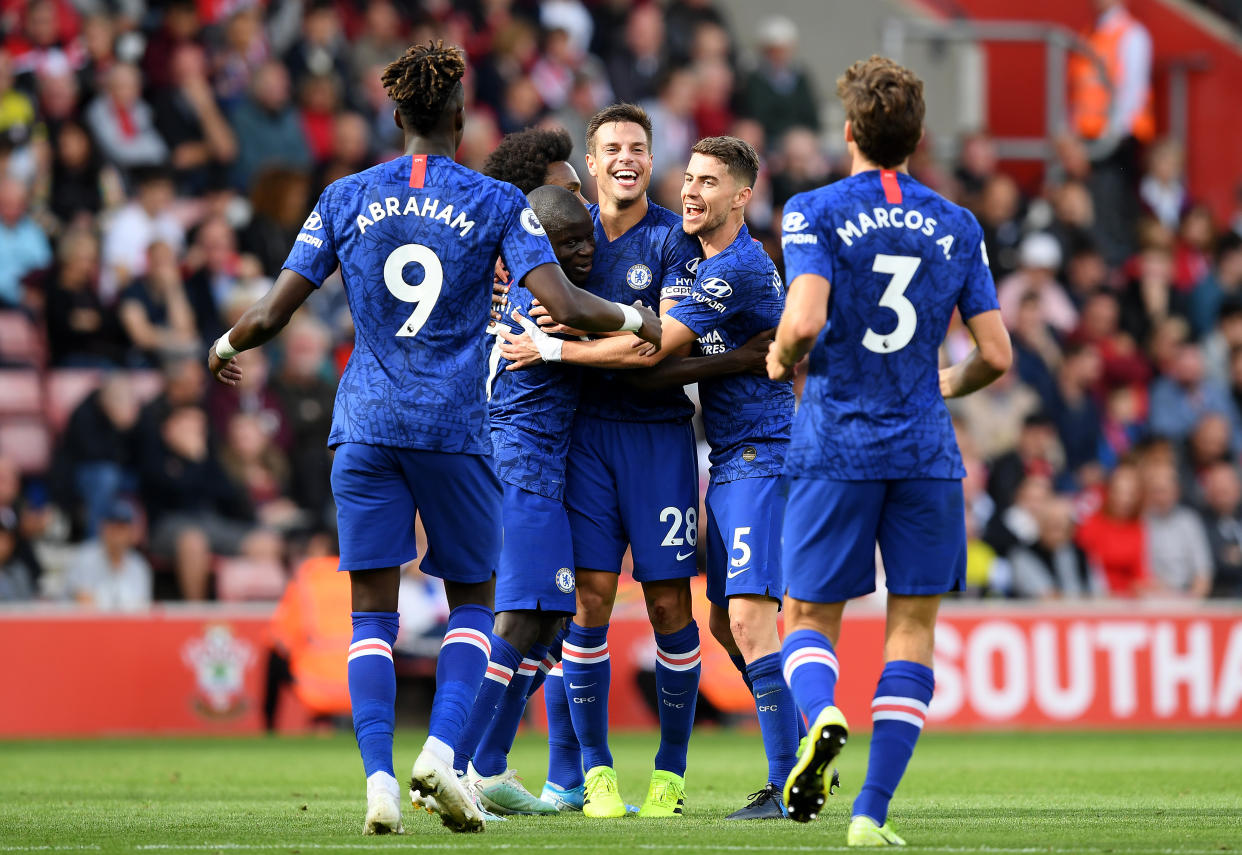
[(20, 343), (28, 443), (66, 387), (240, 579), (20, 393)]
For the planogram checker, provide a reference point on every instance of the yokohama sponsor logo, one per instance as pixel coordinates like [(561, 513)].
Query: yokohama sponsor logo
[(1089, 670)]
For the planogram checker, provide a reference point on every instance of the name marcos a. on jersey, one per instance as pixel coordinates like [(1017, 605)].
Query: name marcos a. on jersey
[(899, 259), (417, 240)]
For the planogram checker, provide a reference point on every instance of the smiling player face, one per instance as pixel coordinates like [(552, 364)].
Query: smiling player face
[(621, 162), (573, 241), (708, 195)]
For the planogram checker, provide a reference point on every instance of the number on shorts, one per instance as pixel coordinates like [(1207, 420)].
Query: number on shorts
[(741, 546), (424, 294), (691, 519), (902, 268)]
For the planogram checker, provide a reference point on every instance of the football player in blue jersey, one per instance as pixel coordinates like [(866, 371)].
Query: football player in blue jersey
[(417, 240), (632, 475), (877, 264)]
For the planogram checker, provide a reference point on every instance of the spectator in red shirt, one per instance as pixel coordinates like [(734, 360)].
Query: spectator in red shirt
[(1113, 537)]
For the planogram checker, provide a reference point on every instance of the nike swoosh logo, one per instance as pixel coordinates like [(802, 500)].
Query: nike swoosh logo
[(676, 694), (765, 694), (583, 686), (681, 557), (733, 573)]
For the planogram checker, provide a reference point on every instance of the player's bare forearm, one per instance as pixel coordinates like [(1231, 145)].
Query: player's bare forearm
[(684, 370), (806, 313), (261, 322), (581, 309), (988, 362)]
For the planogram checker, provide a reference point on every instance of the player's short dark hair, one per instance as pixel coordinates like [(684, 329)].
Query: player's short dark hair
[(422, 82), (738, 156), (522, 158), (617, 113), (555, 206), (884, 105)]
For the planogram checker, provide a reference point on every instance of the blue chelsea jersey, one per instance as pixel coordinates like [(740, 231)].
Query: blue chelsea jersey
[(736, 294), (653, 260), (417, 240), (899, 258), (532, 414)]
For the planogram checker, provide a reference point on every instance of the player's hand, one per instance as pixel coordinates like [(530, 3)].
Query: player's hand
[(540, 316), (650, 331), (946, 383), (227, 372), (500, 291), (778, 370), (519, 349), (753, 355)]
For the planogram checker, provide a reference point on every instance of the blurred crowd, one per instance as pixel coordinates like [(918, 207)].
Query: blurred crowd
[(158, 159)]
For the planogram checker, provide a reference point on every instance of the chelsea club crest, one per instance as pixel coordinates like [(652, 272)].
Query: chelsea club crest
[(565, 580), (639, 277)]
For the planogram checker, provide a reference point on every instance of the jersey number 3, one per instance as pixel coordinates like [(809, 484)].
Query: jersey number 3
[(902, 268), (424, 294)]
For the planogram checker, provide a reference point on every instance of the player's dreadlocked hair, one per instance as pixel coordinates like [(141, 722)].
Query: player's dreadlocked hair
[(522, 158), (422, 80), (884, 103)]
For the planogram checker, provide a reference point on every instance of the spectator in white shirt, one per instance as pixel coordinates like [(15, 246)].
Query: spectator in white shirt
[(135, 227), (1039, 257), (109, 573)]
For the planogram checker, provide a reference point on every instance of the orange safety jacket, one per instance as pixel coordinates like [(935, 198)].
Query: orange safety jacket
[(1090, 98), (312, 623)]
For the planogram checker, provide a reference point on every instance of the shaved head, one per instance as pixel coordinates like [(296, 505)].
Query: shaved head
[(556, 207)]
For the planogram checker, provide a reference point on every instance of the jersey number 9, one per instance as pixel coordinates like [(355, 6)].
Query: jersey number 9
[(424, 294)]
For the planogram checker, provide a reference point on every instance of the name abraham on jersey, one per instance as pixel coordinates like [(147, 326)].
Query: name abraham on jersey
[(431, 210), (893, 218)]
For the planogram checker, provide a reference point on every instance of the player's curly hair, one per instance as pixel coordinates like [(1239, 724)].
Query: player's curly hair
[(884, 104), (522, 158), (422, 81)]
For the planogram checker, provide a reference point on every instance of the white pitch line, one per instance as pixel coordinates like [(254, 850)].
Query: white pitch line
[(519, 846)]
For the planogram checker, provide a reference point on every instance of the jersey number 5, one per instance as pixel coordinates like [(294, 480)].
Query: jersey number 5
[(424, 293), (902, 268)]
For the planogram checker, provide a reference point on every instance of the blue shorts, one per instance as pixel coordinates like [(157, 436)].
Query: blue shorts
[(635, 483), (379, 489), (832, 528), (537, 558), (744, 538)]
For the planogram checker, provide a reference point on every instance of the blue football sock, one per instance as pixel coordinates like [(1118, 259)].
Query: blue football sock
[(492, 755), (778, 716), (564, 752), (677, 675), (546, 663), (501, 666), (810, 667), (459, 671), (897, 714), (740, 664), (373, 687), (588, 676)]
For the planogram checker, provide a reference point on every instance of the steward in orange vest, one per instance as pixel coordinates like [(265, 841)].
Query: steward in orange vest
[(1091, 98)]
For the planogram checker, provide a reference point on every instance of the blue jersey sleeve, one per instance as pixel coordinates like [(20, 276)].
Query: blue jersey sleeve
[(314, 250), (525, 244), (714, 299), (803, 242), (680, 259), (979, 291)]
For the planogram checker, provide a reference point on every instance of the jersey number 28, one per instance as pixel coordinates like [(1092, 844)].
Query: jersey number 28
[(902, 268), (424, 294)]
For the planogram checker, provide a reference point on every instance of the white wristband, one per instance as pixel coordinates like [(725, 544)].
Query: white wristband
[(633, 320), (224, 349), (549, 347)]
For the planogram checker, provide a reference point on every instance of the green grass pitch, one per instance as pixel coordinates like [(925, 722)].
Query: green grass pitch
[(1174, 792)]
